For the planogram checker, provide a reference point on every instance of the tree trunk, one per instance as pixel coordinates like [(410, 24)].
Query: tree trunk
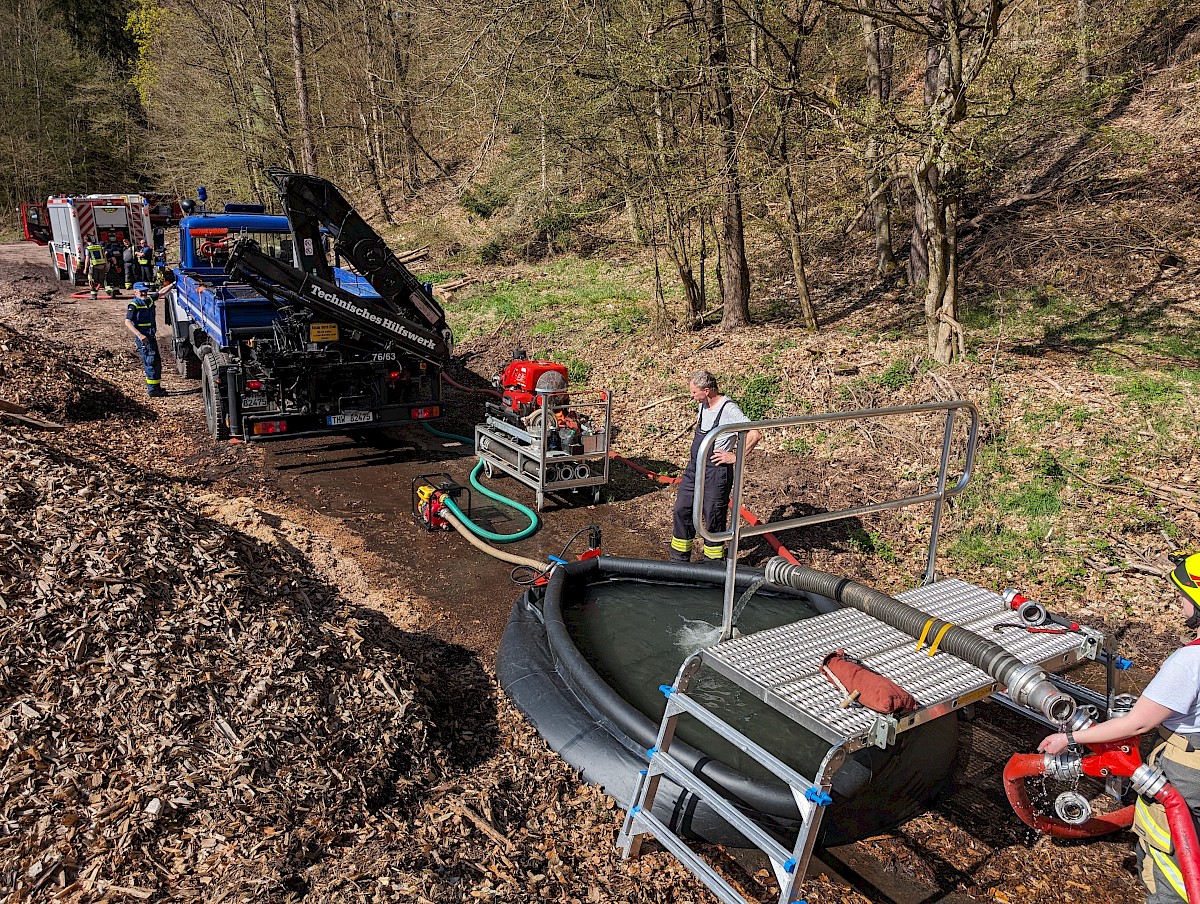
[(878, 41), (1082, 51), (795, 233), (268, 73), (302, 103), (935, 81), (735, 273), (678, 250)]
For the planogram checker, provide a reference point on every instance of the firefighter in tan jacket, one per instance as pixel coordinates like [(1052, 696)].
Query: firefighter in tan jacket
[(1171, 704)]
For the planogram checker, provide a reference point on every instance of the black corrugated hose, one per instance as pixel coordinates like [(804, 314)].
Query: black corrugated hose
[(1027, 684)]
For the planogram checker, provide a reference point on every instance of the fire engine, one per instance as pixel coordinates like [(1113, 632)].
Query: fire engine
[(69, 224)]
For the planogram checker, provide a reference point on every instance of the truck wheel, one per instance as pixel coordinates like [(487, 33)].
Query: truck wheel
[(214, 410), (187, 365)]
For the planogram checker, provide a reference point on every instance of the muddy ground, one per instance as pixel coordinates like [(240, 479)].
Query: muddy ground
[(345, 503)]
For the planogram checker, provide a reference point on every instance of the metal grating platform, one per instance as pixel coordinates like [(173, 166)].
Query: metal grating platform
[(780, 665)]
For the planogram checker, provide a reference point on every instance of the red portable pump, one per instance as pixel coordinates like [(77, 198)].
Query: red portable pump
[(518, 383)]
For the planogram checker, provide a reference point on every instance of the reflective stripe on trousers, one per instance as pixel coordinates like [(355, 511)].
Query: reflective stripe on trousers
[(1158, 867)]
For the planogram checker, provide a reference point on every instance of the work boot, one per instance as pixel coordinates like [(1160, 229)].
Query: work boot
[(94, 295), (157, 393), (676, 556)]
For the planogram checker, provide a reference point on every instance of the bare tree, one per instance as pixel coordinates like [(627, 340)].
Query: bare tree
[(299, 65), (878, 39), (735, 272)]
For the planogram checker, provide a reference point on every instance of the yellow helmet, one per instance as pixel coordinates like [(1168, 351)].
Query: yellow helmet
[(1186, 576)]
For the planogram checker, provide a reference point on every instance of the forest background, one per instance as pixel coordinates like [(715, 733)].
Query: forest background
[(901, 134)]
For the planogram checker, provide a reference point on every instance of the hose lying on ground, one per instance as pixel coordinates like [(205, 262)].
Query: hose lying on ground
[(1110, 759), (1026, 765), (503, 500), (491, 494), (511, 558)]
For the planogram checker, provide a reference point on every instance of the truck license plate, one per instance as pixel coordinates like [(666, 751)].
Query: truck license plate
[(350, 417), (254, 400)]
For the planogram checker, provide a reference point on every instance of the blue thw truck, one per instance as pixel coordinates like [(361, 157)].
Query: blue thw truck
[(287, 342)]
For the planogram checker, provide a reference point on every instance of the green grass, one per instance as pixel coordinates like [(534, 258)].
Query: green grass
[(1148, 390), (1035, 499), (757, 396), (872, 543), (994, 545), (567, 291), (798, 446), (897, 376)]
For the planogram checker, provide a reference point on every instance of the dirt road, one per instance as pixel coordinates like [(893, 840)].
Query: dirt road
[(359, 489)]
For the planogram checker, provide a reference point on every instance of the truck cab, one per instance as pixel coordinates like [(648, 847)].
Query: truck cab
[(281, 350)]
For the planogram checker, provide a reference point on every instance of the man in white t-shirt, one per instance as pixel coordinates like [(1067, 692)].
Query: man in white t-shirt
[(715, 411), (1171, 704)]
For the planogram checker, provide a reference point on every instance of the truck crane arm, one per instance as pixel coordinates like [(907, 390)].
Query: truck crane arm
[(275, 279), (311, 203)]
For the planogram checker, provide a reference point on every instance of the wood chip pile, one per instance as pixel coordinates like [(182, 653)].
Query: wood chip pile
[(41, 378), (182, 706), (187, 713)]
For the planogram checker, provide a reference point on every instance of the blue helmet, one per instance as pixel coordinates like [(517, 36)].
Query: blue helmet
[(140, 287)]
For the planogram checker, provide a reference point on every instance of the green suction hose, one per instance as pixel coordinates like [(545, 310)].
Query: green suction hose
[(503, 500), (491, 494)]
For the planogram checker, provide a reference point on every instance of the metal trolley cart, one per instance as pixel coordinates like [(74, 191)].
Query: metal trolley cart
[(571, 455)]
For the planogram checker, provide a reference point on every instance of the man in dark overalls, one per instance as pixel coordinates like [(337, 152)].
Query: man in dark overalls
[(715, 411), (140, 321)]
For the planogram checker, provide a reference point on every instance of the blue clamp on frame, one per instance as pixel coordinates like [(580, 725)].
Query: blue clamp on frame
[(818, 797), (667, 689)]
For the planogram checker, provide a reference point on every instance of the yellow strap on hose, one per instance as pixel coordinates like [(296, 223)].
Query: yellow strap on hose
[(933, 647), (924, 633)]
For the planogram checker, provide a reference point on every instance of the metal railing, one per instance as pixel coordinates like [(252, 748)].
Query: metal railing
[(734, 535)]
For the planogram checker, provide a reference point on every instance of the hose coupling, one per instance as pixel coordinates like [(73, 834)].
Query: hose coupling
[(1148, 780), (1030, 612), (777, 570), (1028, 686), (1082, 719), (1072, 808), (1066, 767)]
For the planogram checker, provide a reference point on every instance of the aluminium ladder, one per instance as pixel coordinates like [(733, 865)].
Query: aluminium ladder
[(780, 667)]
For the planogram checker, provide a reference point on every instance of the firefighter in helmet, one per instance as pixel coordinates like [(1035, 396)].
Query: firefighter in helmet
[(1171, 704), (96, 266), (140, 321)]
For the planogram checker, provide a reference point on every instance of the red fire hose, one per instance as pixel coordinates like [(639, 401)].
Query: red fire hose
[(780, 549), (458, 385), (1026, 765), (1116, 758), (1183, 835)]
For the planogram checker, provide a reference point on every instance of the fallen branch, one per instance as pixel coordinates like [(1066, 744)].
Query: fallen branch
[(20, 413), (482, 824), (662, 401)]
